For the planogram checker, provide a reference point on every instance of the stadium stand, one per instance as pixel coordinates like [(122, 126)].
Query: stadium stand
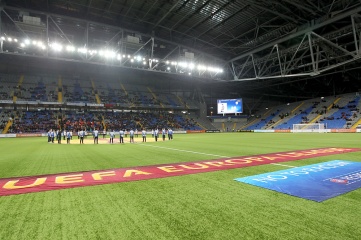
[(33, 122), (153, 104), (344, 115), (298, 117), (263, 122)]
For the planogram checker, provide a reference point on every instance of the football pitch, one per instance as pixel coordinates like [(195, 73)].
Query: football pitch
[(210, 205)]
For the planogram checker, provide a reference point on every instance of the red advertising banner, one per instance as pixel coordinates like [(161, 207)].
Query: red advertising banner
[(29, 184), (28, 135), (283, 130), (343, 130), (196, 131)]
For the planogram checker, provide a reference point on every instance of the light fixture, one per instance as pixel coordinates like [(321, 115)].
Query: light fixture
[(185, 67), (82, 50), (57, 47)]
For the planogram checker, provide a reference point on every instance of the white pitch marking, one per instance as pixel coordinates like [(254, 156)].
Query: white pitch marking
[(283, 165), (180, 150)]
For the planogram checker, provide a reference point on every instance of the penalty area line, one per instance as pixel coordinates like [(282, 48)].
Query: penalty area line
[(181, 150)]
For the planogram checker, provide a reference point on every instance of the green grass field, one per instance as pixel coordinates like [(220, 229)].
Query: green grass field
[(198, 206)]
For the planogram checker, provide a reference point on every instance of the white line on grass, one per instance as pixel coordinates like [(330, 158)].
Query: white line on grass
[(283, 165), (209, 154), (180, 150)]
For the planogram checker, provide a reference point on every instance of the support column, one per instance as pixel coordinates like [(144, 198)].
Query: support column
[(1, 41)]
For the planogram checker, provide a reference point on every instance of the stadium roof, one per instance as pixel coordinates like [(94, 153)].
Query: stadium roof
[(223, 28), (273, 42)]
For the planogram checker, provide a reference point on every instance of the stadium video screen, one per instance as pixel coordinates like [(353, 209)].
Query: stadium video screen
[(229, 106)]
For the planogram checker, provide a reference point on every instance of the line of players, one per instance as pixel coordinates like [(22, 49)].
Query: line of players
[(122, 133)]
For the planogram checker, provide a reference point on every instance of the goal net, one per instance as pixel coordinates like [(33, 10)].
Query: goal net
[(311, 127)]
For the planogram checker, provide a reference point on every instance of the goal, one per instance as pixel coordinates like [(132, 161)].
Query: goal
[(310, 127)]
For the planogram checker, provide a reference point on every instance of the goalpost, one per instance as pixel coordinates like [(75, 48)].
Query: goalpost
[(307, 128)]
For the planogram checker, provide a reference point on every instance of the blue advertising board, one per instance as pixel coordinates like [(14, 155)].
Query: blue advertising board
[(317, 182)]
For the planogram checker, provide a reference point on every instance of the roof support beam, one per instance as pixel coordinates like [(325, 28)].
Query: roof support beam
[(165, 15), (292, 2), (119, 28), (196, 11), (154, 2), (213, 14), (60, 29), (16, 26), (300, 33), (274, 12), (224, 21)]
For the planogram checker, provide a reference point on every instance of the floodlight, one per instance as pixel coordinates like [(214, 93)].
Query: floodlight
[(183, 64), (27, 41), (189, 73), (10, 39), (2, 38), (132, 60), (191, 66), (70, 48), (56, 47), (128, 56), (15, 40), (202, 67), (35, 42), (167, 62), (144, 62), (139, 58), (22, 45), (82, 50), (109, 54), (92, 52), (168, 68)]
